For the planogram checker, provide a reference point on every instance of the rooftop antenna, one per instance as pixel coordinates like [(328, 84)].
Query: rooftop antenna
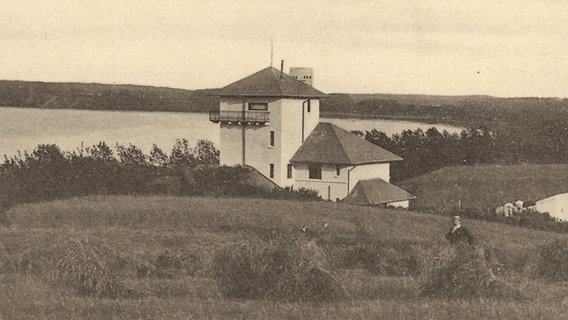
[(271, 50)]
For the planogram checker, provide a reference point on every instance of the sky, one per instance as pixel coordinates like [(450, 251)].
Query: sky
[(505, 48)]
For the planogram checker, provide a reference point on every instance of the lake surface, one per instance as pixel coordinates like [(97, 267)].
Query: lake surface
[(25, 128)]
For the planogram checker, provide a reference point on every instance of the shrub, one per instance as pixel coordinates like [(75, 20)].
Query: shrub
[(302, 194), (299, 271), (553, 260)]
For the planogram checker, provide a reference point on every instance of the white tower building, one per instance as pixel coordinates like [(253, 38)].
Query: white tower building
[(264, 119), (270, 121)]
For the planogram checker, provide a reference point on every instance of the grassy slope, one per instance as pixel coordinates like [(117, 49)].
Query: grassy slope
[(143, 226), (487, 186)]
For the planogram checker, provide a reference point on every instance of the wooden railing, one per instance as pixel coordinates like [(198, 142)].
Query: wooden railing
[(239, 117)]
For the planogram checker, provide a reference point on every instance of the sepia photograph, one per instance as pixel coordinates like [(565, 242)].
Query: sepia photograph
[(283, 159)]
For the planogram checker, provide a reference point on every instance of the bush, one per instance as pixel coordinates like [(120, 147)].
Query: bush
[(299, 271), (553, 260)]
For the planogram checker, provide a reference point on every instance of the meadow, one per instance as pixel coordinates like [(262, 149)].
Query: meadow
[(164, 249), (494, 185)]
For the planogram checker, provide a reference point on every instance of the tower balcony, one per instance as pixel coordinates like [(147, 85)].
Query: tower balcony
[(240, 117)]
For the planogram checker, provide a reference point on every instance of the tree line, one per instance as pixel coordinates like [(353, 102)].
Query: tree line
[(48, 173)]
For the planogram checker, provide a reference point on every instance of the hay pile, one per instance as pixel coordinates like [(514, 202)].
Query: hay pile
[(297, 271), (463, 272), (88, 266)]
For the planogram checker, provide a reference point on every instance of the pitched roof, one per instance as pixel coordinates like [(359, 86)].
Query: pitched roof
[(329, 144), (268, 82), (376, 191)]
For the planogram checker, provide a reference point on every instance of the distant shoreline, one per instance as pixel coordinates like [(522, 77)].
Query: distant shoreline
[(327, 115)]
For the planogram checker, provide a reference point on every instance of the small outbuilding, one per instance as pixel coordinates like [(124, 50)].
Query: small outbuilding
[(378, 192), (556, 206)]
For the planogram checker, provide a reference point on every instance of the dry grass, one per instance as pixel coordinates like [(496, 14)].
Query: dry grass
[(553, 260), (465, 272), (298, 271), (88, 266), (178, 238)]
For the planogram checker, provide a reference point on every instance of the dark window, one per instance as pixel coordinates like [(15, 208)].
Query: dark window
[(314, 171), (337, 170), (289, 171), (272, 138), (309, 106), (258, 106), (272, 170)]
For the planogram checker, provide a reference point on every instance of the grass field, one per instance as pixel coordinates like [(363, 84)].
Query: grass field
[(493, 185), (140, 230)]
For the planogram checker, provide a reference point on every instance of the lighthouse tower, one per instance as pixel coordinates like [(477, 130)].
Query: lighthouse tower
[(264, 118)]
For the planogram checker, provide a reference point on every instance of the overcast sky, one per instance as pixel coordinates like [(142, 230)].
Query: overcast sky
[(496, 47)]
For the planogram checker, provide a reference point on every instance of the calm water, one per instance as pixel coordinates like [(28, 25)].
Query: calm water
[(23, 129)]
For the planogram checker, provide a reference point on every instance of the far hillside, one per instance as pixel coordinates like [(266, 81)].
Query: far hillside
[(486, 186), (466, 110), (94, 96)]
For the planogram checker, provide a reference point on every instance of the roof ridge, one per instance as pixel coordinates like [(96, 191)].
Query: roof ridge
[(362, 190), (334, 127)]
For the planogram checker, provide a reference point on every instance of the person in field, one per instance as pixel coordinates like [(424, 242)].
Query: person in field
[(459, 234)]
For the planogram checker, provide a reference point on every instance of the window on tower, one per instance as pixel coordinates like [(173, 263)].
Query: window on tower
[(272, 138), (272, 170), (289, 171), (258, 106), (314, 171)]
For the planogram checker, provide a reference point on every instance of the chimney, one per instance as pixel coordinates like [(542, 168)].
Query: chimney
[(281, 68)]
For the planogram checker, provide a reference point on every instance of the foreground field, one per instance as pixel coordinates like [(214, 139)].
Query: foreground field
[(146, 231)]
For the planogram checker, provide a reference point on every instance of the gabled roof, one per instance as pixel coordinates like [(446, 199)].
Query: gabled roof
[(376, 191), (329, 144), (268, 82)]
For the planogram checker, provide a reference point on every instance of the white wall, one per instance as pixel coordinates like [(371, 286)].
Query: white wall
[(399, 204), (556, 206), (285, 121), (369, 171), (330, 187), (230, 145), (292, 113)]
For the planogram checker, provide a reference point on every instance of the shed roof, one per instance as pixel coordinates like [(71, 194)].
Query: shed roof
[(269, 82), (376, 191), (329, 144)]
